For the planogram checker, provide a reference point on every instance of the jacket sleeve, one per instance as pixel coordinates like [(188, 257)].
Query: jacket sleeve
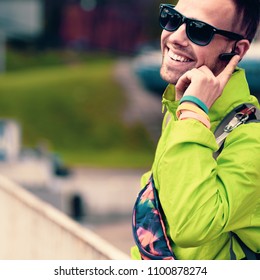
[(203, 197)]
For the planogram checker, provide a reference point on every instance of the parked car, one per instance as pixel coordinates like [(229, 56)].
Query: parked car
[(147, 68)]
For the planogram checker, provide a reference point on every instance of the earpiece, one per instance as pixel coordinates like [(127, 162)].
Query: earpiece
[(227, 56)]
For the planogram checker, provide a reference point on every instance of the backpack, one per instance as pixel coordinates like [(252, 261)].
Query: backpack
[(148, 218)]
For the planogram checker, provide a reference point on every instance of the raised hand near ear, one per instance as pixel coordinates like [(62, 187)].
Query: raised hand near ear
[(201, 82)]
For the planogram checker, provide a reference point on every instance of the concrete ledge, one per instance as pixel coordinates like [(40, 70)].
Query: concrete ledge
[(33, 229)]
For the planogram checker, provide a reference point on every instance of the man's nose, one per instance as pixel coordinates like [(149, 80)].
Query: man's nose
[(179, 36)]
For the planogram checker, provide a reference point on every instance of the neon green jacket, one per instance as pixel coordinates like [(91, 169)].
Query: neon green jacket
[(204, 199)]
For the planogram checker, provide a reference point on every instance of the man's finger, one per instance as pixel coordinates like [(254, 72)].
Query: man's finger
[(225, 75), (182, 84)]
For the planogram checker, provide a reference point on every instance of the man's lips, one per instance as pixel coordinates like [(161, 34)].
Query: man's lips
[(177, 57)]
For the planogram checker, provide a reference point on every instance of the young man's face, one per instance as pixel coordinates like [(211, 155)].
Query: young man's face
[(179, 54)]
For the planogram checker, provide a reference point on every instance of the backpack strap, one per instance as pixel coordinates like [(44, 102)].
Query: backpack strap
[(242, 114)]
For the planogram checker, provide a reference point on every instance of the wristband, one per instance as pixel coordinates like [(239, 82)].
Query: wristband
[(196, 101), (190, 107), (189, 114)]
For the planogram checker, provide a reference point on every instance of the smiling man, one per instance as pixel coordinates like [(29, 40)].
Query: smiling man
[(209, 203)]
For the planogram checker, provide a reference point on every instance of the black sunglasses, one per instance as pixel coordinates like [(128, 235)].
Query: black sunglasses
[(199, 32)]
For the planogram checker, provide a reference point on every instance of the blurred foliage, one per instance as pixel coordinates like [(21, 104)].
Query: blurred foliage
[(73, 103)]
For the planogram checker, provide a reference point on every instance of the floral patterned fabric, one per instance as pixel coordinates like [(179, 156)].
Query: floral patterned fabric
[(148, 226)]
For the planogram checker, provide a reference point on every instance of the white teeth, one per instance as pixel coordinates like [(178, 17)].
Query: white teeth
[(179, 58)]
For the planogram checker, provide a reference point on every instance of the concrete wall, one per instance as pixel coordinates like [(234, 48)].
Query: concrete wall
[(33, 229)]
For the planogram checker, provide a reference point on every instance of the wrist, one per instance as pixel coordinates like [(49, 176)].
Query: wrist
[(195, 100), (192, 115), (188, 106)]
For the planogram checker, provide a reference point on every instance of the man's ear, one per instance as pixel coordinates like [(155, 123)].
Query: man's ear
[(242, 47)]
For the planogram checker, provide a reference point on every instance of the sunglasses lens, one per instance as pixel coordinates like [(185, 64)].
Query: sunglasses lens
[(199, 32), (169, 19)]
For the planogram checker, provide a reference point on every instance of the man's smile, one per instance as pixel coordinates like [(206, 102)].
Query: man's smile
[(177, 57)]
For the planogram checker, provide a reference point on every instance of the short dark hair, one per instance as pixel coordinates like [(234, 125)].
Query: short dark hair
[(249, 11)]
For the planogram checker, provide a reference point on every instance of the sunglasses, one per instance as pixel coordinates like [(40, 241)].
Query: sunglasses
[(199, 32)]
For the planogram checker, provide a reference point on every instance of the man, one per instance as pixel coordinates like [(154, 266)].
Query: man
[(203, 198)]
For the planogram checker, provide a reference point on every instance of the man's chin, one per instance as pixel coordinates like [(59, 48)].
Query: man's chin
[(168, 78), (171, 75)]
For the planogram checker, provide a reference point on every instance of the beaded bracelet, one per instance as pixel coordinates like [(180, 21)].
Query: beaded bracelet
[(190, 107), (189, 114), (196, 101)]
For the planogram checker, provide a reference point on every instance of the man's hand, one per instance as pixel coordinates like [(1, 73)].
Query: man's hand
[(202, 83)]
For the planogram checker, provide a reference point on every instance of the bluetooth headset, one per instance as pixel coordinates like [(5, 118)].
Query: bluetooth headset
[(227, 56)]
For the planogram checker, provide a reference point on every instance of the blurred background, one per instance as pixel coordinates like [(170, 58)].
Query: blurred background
[(58, 60), (80, 109)]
